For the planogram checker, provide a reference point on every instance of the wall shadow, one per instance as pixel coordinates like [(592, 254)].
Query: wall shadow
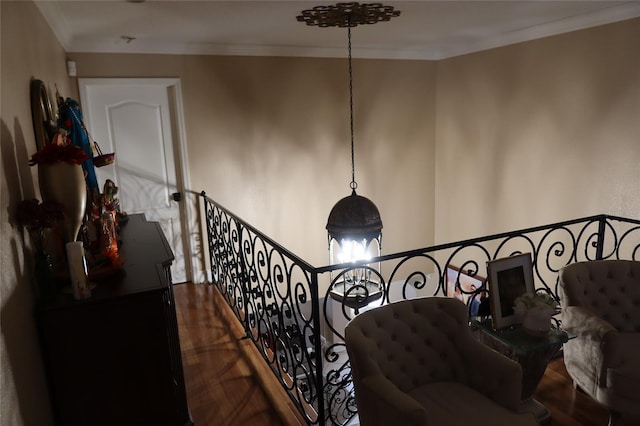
[(17, 320)]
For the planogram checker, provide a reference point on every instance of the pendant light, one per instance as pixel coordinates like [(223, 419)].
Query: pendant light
[(354, 225)]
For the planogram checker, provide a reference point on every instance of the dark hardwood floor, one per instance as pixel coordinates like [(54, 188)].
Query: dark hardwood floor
[(568, 407), (224, 375), (228, 383)]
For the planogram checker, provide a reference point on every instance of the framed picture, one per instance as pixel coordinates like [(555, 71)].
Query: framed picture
[(465, 287), (509, 278)]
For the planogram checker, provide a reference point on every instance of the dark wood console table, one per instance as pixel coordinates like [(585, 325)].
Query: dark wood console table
[(114, 358)]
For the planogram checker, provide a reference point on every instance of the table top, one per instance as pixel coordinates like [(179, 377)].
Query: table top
[(516, 337), (145, 254)]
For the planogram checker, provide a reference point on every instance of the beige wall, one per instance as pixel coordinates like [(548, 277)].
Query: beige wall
[(268, 138), (539, 132), (29, 49)]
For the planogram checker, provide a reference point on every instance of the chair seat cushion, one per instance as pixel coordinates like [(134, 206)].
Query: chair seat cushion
[(452, 404)]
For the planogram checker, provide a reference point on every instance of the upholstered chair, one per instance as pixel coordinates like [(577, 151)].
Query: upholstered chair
[(600, 303), (415, 362)]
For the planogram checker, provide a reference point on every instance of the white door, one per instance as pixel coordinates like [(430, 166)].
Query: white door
[(140, 120)]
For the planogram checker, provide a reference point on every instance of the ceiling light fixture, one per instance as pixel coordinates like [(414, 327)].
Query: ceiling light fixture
[(354, 226)]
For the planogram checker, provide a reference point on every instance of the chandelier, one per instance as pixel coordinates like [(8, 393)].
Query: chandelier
[(354, 225)]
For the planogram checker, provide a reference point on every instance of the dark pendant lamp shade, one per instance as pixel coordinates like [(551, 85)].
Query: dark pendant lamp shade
[(355, 218)]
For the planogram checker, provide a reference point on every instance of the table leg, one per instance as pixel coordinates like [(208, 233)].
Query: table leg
[(540, 411), (534, 363)]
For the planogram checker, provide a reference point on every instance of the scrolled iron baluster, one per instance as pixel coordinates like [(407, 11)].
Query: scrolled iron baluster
[(528, 246), (634, 252), (591, 240), (283, 284)]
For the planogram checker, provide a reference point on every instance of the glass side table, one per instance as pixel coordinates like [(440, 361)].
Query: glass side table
[(532, 353)]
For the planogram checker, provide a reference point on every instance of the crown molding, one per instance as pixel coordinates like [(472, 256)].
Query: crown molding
[(603, 16)]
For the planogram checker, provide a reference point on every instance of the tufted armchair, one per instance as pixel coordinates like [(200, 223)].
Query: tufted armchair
[(600, 303), (415, 362)]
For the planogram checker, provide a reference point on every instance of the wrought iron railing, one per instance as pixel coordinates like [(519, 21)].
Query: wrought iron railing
[(287, 309)]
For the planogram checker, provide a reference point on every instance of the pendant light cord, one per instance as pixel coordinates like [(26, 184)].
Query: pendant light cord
[(348, 15), (353, 184)]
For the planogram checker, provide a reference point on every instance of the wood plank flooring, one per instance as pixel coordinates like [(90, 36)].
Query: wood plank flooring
[(568, 407), (223, 387), (228, 384)]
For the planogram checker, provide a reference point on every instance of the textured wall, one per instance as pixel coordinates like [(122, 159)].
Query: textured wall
[(29, 49), (269, 139), (539, 132)]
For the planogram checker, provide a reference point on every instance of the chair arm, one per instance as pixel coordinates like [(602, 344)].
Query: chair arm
[(585, 323), (588, 348), (390, 404), (495, 375), (620, 349)]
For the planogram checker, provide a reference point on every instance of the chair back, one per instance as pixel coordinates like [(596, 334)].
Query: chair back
[(412, 342), (609, 288)]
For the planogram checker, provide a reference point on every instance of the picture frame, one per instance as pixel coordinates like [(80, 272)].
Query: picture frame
[(509, 278), (466, 287)]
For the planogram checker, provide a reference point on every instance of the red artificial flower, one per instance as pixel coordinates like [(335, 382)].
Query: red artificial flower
[(36, 216), (53, 153)]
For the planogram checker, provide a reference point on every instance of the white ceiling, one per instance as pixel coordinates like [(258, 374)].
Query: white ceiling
[(424, 29)]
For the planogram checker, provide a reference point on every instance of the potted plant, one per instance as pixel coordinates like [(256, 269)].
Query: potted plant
[(536, 310)]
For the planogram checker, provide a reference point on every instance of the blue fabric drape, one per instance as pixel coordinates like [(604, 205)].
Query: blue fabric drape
[(71, 119)]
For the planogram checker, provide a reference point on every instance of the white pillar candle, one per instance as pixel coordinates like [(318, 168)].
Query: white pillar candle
[(77, 270)]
